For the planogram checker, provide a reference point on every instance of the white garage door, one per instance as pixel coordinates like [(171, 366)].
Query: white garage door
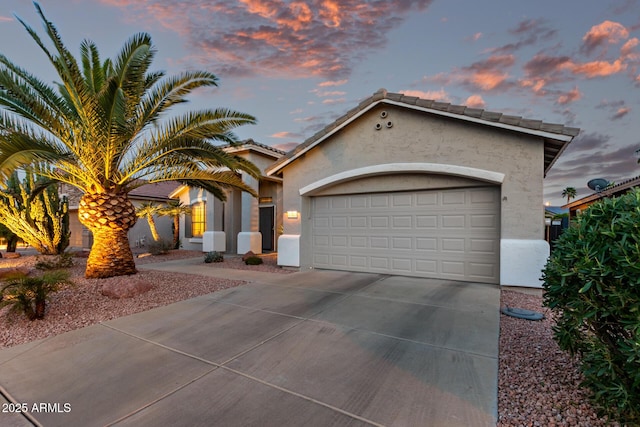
[(452, 234)]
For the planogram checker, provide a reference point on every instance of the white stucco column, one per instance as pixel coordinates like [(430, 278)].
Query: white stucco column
[(250, 238), (522, 261)]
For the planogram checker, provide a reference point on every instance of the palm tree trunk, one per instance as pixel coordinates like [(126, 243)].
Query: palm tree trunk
[(109, 216), (110, 254), (152, 227), (176, 232)]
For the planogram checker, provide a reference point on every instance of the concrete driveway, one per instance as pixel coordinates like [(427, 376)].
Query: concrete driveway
[(315, 348)]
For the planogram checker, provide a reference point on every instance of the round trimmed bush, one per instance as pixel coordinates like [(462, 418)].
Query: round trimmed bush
[(592, 283)]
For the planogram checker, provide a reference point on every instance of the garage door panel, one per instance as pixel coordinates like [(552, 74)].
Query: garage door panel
[(456, 197), (402, 243), (483, 221), (451, 234), (380, 201), (379, 222), (426, 221), (402, 200), (379, 263), (402, 265), (402, 221), (426, 244), (358, 202), (453, 221)]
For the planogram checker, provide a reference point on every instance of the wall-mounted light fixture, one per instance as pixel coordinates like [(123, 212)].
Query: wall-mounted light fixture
[(292, 214)]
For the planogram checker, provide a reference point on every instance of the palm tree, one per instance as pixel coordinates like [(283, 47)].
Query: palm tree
[(174, 209), (105, 129), (148, 210), (569, 193)]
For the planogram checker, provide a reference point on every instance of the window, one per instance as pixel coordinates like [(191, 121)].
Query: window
[(197, 221)]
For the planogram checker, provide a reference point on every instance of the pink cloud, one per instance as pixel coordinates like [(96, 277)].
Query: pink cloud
[(622, 111), (627, 50), (334, 101), (333, 83), (439, 95), (325, 93), (286, 146), (283, 135), (278, 38), (607, 32), (568, 97), (489, 74), (475, 37), (537, 85), (598, 68), (475, 101)]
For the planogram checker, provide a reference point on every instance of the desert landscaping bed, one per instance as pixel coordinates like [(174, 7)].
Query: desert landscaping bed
[(538, 384)]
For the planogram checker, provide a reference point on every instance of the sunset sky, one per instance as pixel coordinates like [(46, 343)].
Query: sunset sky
[(298, 65)]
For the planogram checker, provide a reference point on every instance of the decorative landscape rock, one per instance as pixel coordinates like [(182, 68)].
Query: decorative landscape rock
[(127, 288), (13, 271), (248, 255), (12, 255)]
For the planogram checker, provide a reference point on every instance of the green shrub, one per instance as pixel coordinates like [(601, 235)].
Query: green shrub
[(592, 283), (30, 294), (160, 247), (253, 260), (54, 262), (210, 257)]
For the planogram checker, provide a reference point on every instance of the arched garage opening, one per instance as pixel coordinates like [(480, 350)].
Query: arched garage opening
[(419, 220)]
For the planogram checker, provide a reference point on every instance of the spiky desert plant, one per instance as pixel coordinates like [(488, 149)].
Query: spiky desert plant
[(105, 128), (32, 209), (30, 294)]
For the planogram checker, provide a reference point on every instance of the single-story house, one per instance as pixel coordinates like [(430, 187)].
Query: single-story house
[(242, 223), (140, 233), (576, 206), (408, 186)]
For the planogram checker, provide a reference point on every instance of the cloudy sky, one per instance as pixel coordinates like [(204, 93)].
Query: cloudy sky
[(297, 65)]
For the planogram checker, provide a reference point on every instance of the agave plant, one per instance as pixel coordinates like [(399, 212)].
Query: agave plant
[(104, 129)]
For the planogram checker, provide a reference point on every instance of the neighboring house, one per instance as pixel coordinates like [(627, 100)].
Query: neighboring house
[(242, 223), (556, 220), (139, 234), (576, 206), (402, 185)]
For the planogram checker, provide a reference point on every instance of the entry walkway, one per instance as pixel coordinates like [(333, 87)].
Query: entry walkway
[(316, 348)]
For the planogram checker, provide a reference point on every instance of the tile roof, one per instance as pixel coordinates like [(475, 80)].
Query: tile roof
[(556, 136), (250, 142), (155, 191)]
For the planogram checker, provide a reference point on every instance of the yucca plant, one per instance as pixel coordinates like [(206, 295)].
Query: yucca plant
[(30, 294), (105, 129)]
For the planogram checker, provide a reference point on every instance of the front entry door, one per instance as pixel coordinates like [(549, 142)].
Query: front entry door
[(267, 227)]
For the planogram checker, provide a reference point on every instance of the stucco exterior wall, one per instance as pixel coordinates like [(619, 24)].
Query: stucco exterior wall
[(415, 137)]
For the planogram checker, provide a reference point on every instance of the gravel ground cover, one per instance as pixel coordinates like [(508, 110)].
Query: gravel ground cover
[(82, 304), (538, 384)]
